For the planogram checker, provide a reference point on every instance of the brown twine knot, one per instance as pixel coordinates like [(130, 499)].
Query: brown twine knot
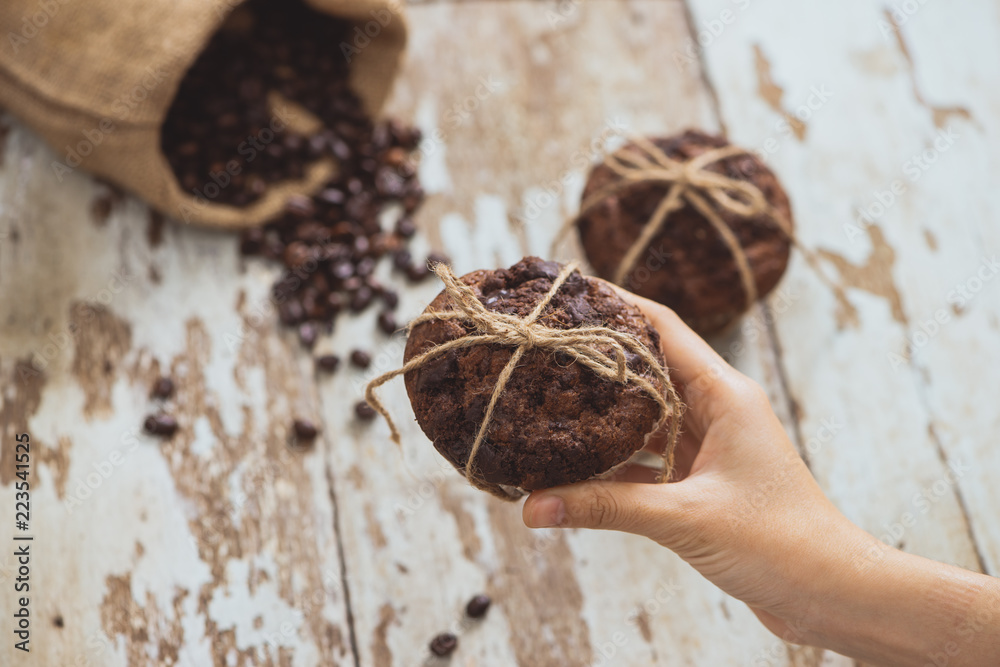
[(690, 183), (584, 344)]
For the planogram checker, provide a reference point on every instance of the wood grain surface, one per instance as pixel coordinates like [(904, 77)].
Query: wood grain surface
[(228, 545)]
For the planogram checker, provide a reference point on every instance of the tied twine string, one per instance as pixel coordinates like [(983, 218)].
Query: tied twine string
[(586, 345), (690, 182)]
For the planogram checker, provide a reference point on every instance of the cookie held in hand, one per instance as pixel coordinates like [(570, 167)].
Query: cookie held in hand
[(689, 221), (535, 376)]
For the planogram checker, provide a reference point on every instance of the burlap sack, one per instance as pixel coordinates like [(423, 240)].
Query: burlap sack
[(95, 78)]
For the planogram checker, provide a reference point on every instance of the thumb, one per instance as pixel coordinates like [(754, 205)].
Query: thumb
[(643, 509)]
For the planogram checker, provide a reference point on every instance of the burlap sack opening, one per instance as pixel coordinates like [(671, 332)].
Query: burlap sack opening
[(96, 78)]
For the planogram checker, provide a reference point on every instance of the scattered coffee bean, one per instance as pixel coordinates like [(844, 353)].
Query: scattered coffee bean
[(390, 298), (335, 302), (305, 430), (362, 298), (328, 363), (402, 259), (252, 241), (297, 255), (361, 359), (342, 269), (364, 411), (405, 227), (160, 424), (417, 272), (300, 206), (437, 258), (163, 388), (331, 196), (291, 312), (307, 335), (353, 284), (365, 267), (478, 606), (387, 322), (444, 644)]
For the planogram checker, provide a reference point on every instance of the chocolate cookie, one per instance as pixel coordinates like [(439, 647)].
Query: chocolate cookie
[(556, 421), (687, 266)]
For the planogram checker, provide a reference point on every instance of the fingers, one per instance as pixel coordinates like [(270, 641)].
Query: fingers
[(709, 385), (688, 355), (643, 509)]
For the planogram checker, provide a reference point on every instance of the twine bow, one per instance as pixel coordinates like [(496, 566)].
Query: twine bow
[(690, 183), (586, 345)]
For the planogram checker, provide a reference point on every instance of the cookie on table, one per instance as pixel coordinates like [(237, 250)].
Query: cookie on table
[(687, 266)]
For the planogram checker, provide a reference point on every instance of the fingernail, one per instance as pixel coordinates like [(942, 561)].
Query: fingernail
[(548, 512)]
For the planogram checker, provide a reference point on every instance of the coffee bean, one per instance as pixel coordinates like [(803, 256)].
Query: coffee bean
[(390, 298), (317, 146), (395, 156), (328, 363), (362, 298), (299, 205), (342, 270), (312, 232), (160, 424), (478, 606), (291, 312), (402, 259), (251, 241), (277, 152), (364, 411), (405, 227), (413, 200), (307, 335), (389, 184), (361, 359), (251, 89), (438, 258), (444, 644), (417, 272), (311, 304), (335, 253), (162, 388), (331, 196), (335, 302), (387, 322), (305, 430), (365, 267), (297, 254), (361, 246), (340, 149)]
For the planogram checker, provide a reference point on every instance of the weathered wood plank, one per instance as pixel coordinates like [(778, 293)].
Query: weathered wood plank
[(216, 547), (507, 167), (843, 111), (221, 546), (953, 279)]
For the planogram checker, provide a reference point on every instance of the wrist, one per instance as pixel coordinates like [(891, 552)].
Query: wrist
[(885, 606)]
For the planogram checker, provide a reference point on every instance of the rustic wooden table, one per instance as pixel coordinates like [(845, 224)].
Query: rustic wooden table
[(224, 546)]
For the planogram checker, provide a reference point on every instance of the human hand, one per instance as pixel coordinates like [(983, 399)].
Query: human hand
[(746, 511), (743, 509)]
